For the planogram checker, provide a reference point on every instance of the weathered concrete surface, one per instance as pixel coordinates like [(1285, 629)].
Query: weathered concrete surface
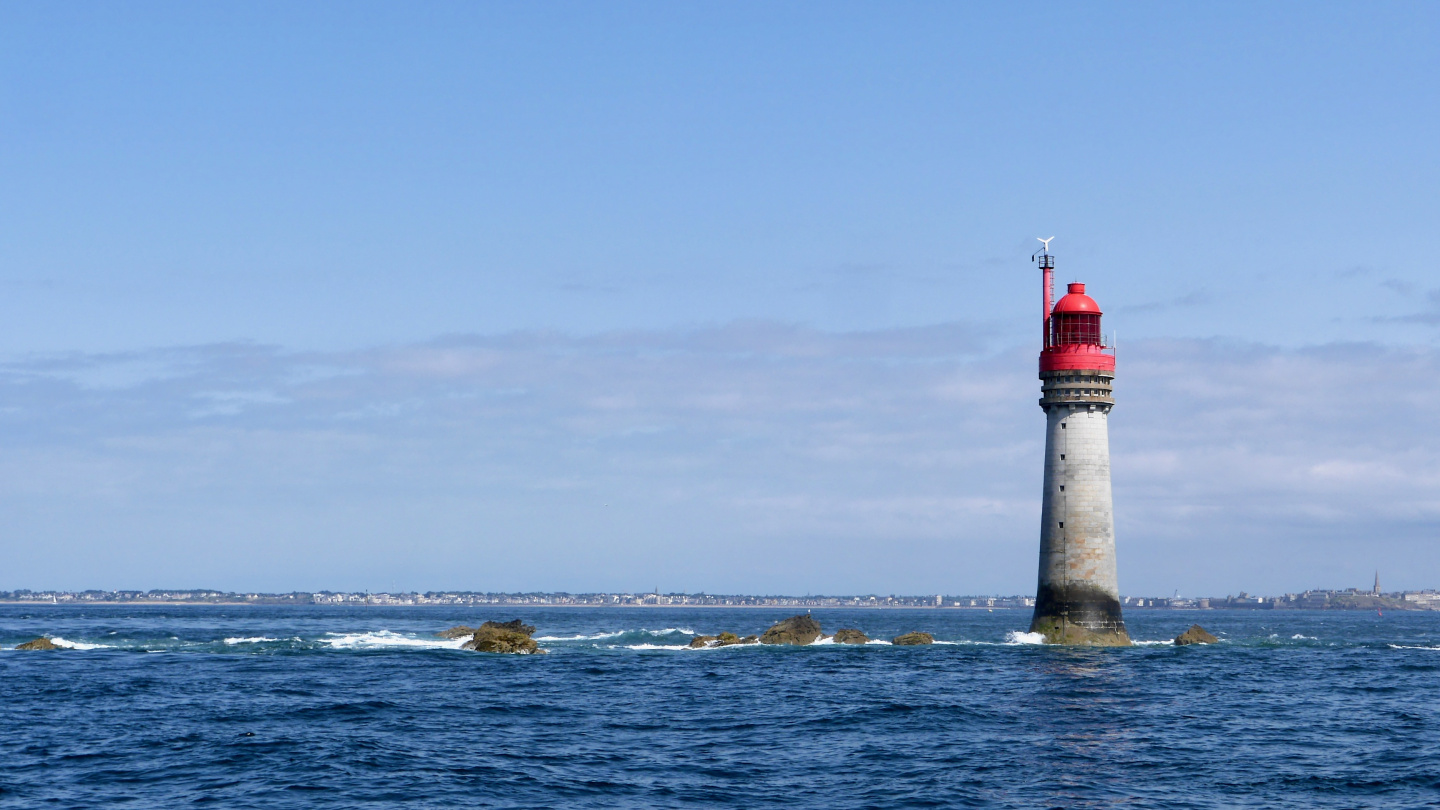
[(1077, 598), (1079, 614)]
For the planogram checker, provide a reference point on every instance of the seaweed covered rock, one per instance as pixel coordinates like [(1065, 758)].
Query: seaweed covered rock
[(794, 630), (722, 640), (910, 639), (1195, 635), (513, 626), (39, 644), (847, 636), (506, 637), (458, 631)]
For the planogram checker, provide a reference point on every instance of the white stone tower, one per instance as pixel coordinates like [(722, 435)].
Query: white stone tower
[(1077, 599)]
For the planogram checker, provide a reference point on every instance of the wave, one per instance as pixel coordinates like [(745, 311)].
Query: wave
[(1413, 647), (251, 640), (385, 639), (1015, 637), (77, 645), (1164, 642), (669, 631)]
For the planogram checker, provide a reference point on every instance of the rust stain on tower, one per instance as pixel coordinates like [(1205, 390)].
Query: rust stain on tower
[(1077, 599)]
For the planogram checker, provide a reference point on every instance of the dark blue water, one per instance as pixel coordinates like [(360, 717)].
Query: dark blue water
[(337, 707)]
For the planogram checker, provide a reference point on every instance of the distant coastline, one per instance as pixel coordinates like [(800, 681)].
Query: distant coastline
[(1350, 599)]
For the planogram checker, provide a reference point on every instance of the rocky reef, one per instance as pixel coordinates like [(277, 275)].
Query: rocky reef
[(848, 636), (798, 630), (912, 639), (500, 637), (41, 643), (722, 640), (1195, 635), (458, 631)]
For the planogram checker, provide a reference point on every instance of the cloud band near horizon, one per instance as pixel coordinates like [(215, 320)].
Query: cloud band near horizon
[(752, 457)]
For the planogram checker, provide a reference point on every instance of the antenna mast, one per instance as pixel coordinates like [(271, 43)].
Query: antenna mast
[(1047, 266)]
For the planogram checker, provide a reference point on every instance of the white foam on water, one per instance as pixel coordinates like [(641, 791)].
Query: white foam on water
[(1168, 642), (665, 647), (249, 640), (383, 639), (594, 637), (602, 636), (1298, 637), (77, 645), (711, 646), (1017, 637), (1410, 647)]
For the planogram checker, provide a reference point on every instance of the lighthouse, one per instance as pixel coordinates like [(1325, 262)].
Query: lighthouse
[(1077, 599)]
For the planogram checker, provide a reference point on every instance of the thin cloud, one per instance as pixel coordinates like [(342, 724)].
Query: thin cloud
[(686, 456)]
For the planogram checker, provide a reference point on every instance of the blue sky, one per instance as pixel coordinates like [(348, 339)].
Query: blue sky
[(354, 295)]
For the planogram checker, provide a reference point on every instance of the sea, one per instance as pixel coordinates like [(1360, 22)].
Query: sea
[(320, 707)]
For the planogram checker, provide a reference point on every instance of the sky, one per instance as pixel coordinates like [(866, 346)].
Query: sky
[(709, 297)]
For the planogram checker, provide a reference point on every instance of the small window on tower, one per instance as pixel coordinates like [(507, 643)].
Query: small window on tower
[(1062, 425), (1062, 456), (1062, 524), (1062, 487)]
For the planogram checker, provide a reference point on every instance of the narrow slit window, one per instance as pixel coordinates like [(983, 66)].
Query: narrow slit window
[(1062, 487), (1062, 456), (1062, 524)]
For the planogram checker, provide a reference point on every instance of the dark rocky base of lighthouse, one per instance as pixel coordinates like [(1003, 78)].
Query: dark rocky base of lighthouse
[(1079, 615)]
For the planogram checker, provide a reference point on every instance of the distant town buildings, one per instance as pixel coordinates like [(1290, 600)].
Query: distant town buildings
[(1349, 599)]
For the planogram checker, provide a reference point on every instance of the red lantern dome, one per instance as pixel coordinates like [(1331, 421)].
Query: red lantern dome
[(1073, 339), (1075, 300)]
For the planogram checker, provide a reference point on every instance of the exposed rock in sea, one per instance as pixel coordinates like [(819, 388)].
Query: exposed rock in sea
[(1195, 635), (503, 637), (794, 630), (39, 644), (846, 636), (458, 631), (913, 638), (514, 626), (722, 640)]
